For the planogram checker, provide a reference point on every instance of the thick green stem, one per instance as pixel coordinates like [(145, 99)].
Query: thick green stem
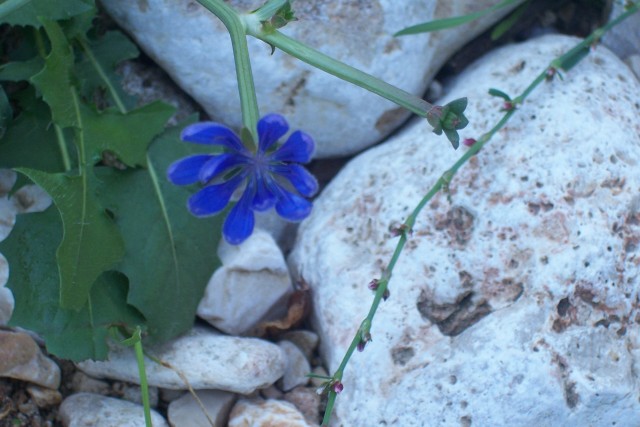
[(267, 10), (246, 87), (343, 71)]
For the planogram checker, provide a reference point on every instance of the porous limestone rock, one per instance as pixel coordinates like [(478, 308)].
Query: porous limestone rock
[(305, 340), (7, 207), (515, 300), (623, 39), (187, 412), (86, 409), (44, 397), (297, 366), (193, 47), (7, 219), (207, 359), (307, 401), (251, 282), (257, 412), (21, 359), (7, 302)]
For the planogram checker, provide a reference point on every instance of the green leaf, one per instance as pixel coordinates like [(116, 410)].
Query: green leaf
[(21, 70), (31, 141), (507, 23), (33, 280), (83, 335), (573, 57), (79, 24), (126, 135), (446, 23), (54, 81), (29, 13), (96, 69), (169, 254), (10, 6), (91, 242), (499, 94), (453, 137), (458, 106)]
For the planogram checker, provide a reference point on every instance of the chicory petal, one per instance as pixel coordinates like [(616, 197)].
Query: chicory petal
[(298, 148), (211, 133), (186, 171)]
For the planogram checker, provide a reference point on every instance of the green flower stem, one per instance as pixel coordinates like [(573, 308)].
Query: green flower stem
[(341, 70), (267, 10), (142, 374), (135, 341), (246, 87), (443, 184)]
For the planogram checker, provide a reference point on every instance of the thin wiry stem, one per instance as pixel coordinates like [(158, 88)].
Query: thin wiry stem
[(571, 57)]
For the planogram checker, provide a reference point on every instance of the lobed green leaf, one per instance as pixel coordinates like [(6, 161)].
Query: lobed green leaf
[(91, 242), (96, 68), (21, 70), (31, 141), (54, 81), (126, 135), (33, 280), (169, 254), (31, 12)]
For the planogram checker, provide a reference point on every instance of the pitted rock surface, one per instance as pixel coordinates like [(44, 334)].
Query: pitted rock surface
[(515, 301), (193, 47)]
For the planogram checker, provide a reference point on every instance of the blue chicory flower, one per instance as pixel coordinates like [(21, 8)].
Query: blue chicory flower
[(270, 175)]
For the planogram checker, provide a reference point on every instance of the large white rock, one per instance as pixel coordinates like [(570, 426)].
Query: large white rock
[(86, 409), (7, 219), (624, 38), (188, 412), (207, 359), (514, 303), (7, 302), (194, 48), (21, 359), (258, 412), (297, 366), (251, 282)]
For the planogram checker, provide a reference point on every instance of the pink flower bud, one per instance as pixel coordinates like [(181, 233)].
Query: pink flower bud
[(551, 72), (469, 141), (507, 106)]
